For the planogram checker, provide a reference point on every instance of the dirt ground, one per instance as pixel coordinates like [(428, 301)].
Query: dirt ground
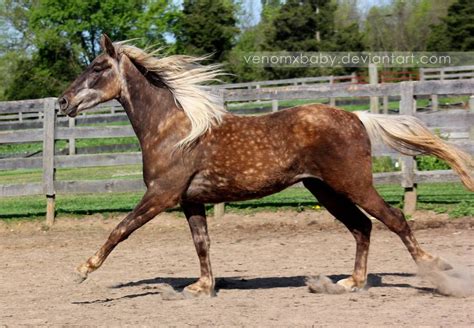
[(260, 261)]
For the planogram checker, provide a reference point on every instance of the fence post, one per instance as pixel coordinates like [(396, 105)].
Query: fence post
[(408, 164), (274, 105), (434, 98), (373, 79), (353, 78), (385, 104), (434, 102), (49, 123), (72, 141), (422, 74), (332, 100), (471, 109), (219, 210)]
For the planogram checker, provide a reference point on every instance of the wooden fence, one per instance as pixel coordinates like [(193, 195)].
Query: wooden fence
[(445, 74), (292, 82), (459, 124)]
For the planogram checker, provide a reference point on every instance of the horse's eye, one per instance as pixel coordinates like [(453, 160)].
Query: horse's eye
[(99, 68)]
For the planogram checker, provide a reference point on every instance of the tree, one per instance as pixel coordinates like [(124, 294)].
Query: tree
[(206, 27), (45, 74), (309, 26), (54, 39), (403, 25), (81, 23), (301, 25), (347, 13), (252, 40), (456, 31)]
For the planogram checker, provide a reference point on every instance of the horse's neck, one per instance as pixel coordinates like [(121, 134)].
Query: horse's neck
[(148, 107)]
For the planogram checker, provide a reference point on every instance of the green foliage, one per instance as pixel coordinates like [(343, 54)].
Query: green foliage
[(301, 25), (308, 26), (54, 39), (400, 25), (252, 40), (441, 197), (45, 44), (456, 31), (206, 27), (347, 13), (464, 208), (430, 163), (48, 72), (383, 164), (120, 19)]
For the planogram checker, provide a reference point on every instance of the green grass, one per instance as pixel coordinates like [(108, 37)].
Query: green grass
[(449, 198), (84, 173), (61, 144)]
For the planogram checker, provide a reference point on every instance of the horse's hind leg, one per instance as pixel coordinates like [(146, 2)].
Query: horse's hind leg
[(196, 216), (394, 219), (357, 222)]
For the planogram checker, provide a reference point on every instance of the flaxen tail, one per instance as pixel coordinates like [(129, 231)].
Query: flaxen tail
[(409, 136)]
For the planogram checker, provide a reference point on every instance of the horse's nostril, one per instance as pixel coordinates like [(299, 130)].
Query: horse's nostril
[(63, 103)]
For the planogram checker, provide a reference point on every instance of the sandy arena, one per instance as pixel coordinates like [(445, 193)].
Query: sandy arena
[(260, 261)]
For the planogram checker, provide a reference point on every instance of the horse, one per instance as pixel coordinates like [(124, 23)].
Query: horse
[(195, 152)]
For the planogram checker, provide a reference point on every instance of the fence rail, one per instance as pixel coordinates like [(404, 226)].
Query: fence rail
[(295, 81), (444, 74), (460, 122)]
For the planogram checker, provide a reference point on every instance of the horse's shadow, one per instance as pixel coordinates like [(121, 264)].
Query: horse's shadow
[(149, 286)]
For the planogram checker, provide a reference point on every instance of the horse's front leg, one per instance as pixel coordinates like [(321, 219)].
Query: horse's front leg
[(151, 205), (196, 216)]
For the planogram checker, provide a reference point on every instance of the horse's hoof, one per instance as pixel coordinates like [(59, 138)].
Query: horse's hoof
[(442, 264), (196, 290), (81, 274), (436, 263), (349, 285), (79, 278)]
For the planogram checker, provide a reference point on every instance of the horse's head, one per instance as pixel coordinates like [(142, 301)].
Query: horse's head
[(100, 82)]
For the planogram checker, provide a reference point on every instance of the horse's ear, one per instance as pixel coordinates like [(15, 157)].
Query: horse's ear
[(107, 45)]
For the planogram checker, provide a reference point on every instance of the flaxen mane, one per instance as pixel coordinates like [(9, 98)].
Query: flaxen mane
[(185, 76)]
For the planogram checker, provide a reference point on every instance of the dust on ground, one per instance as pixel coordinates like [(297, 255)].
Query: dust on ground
[(261, 262)]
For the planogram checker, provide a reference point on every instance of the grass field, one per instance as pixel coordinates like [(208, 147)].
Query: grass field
[(84, 173), (449, 198)]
